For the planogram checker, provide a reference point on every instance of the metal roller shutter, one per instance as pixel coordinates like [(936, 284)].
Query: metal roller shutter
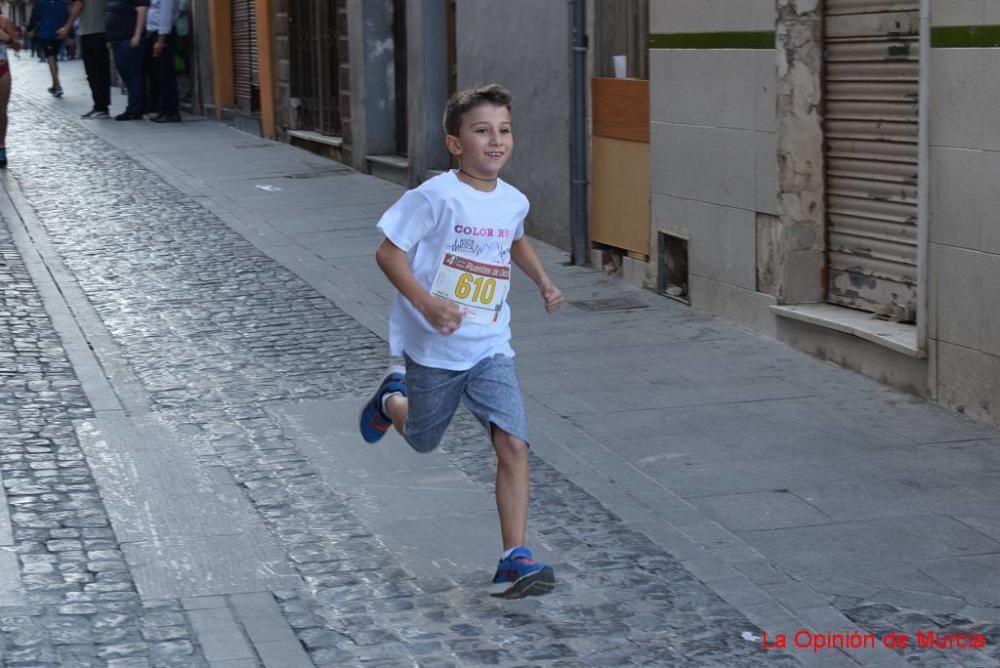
[(246, 75), (872, 80)]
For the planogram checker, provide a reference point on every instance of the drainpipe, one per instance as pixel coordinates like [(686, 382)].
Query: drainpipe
[(579, 227), (923, 174)]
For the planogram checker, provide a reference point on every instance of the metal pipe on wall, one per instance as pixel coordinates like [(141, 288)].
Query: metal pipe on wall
[(923, 174), (579, 226)]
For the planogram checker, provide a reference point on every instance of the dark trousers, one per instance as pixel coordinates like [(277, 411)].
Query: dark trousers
[(162, 74), (129, 63), (97, 64)]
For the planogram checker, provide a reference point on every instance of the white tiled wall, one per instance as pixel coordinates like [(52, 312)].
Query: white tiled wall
[(962, 102), (958, 283), (964, 269), (956, 197), (714, 165), (968, 381), (670, 16), (963, 12), (714, 151), (719, 238)]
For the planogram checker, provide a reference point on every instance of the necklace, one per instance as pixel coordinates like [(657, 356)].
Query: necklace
[(476, 177)]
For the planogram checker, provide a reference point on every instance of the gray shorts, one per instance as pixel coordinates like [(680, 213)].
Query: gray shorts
[(489, 390)]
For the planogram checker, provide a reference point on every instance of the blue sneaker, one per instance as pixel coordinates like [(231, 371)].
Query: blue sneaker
[(373, 420), (530, 577)]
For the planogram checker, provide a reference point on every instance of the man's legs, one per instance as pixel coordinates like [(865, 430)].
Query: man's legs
[(95, 63), (4, 99), (129, 62), (51, 55), (150, 75), (166, 83)]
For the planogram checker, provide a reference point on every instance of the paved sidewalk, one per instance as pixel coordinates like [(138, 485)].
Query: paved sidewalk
[(802, 494)]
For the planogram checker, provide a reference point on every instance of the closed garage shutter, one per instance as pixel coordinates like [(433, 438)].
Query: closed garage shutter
[(872, 81), (246, 77)]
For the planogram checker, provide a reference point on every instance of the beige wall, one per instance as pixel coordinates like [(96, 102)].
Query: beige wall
[(667, 16), (965, 12), (964, 253), (524, 45), (714, 150), (714, 171)]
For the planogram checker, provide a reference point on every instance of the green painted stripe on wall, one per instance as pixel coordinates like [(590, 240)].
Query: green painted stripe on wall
[(763, 39), (945, 37), (965, 37)]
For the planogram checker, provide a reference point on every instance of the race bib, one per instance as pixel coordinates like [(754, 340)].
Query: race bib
[(480, 289)]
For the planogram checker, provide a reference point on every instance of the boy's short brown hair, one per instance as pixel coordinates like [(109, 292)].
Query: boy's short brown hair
[(465, 100)]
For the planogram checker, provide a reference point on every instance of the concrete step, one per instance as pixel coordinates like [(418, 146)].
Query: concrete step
[(395, 168), (319, 143)]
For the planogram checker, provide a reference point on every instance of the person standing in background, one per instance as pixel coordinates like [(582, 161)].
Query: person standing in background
[(22, 37), (69, 44), (96, 61), (182, 27), (161, 44), (8, 39), (125, 20), (53, 21)]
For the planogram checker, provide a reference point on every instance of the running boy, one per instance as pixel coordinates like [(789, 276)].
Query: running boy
[(447, 249)]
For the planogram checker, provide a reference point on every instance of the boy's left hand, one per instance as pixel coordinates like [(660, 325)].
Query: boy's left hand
[(552, 295)]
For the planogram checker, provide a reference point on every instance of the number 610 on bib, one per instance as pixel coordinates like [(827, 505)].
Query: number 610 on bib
[(480, 289)]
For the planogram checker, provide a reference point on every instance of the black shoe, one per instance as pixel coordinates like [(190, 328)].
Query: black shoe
[(95, 113), (167, 118), (126, 116)]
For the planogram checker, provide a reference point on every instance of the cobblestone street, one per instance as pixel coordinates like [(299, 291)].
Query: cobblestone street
[(184, 489)]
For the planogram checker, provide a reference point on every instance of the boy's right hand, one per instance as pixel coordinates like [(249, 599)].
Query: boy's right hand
[(443, 315)]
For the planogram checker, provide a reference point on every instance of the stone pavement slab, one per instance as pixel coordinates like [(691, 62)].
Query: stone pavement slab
[(430, 515), (761, 511), (183, 533), (807, 548)]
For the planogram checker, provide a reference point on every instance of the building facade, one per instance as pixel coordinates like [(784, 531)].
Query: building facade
[(818, 171), (825, 177), (18, 11), (365, 82)]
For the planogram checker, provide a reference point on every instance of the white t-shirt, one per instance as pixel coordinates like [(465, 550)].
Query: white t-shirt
[(458, 242)]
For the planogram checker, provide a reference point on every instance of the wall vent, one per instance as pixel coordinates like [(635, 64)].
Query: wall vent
[(672, 268)]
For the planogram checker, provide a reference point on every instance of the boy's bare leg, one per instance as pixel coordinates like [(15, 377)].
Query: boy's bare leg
[(397, 406), (512, 487)]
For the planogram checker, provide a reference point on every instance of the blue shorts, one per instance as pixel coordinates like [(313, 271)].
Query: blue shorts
[(490, 391), (50, 47)]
